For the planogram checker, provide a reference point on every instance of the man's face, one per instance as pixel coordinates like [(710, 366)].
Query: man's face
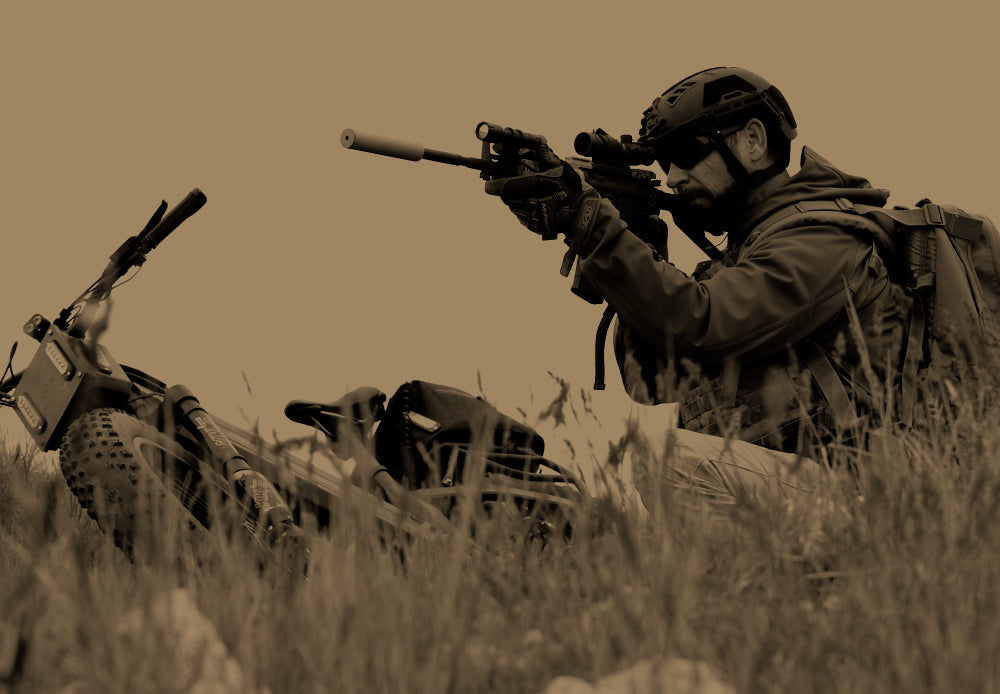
[(700, 178), (702, 184)]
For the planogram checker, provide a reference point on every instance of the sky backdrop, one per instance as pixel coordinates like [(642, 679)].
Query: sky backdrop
[(314, 269)]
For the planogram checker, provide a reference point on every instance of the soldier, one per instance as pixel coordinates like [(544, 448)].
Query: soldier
[(762, 344)]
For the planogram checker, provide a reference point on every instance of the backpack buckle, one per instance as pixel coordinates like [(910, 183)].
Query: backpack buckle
[(933, 215)]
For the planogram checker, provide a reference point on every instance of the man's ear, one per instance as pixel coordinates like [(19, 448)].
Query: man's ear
[(756, 135)]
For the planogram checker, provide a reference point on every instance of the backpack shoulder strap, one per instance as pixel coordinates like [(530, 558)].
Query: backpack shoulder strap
[(954, 221), (839, 212)]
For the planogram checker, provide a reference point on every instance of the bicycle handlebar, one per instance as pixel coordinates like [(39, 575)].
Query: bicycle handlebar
[(173, 219), (131, 254)]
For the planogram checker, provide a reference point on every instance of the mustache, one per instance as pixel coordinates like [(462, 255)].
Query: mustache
[(691, 191)]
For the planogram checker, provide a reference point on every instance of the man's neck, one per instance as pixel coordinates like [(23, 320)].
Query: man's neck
[(737, 230), (766, 189)]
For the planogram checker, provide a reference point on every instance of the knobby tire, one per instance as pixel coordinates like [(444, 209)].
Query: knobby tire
[(126, 475)]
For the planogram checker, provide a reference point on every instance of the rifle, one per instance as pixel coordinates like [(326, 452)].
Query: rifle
[(503, 161), (610, 169)]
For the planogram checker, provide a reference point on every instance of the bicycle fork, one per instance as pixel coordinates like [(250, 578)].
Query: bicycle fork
[(267, 509)]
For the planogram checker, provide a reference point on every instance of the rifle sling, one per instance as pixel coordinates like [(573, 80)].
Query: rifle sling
[(601, 340)]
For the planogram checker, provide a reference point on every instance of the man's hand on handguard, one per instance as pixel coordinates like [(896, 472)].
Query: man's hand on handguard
[(551, 201)]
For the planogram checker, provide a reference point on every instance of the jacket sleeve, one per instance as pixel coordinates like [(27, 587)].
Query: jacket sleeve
[(781, 289)]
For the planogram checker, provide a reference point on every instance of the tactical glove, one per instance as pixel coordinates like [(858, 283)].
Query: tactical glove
[(554, 200)]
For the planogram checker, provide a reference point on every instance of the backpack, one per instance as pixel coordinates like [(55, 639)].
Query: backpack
[(946, 260), (428, 431)]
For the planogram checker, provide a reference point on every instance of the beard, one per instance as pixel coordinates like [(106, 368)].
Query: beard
[(700, 211)]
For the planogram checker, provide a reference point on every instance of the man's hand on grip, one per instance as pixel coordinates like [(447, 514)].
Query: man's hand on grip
[(548, 201)]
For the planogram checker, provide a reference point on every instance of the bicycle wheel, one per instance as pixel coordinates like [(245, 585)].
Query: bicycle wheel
[(126, 473)]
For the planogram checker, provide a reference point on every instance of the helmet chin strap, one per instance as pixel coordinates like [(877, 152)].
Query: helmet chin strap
[(746, 181)]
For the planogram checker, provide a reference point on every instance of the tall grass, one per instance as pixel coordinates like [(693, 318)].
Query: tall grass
[(885, 582)]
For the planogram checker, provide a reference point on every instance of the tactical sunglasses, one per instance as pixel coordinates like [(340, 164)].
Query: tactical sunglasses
[(687, 150), (684, 153)]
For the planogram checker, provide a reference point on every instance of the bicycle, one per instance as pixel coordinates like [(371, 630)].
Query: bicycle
[(124, 437)]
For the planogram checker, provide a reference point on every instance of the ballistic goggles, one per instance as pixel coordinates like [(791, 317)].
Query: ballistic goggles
[(685, 151)]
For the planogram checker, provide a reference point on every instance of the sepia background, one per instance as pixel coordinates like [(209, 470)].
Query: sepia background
[(314, 269)]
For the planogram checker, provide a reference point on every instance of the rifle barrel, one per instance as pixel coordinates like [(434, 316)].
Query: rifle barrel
[(411, 151), (456, 159)]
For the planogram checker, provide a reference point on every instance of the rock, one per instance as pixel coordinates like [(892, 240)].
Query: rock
[(200, 658), (672, 676)]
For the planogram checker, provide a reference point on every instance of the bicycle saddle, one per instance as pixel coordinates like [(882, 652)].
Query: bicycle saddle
[(361, 407)]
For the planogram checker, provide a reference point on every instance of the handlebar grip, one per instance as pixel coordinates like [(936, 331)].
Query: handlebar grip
[(173, 219), (376, 144)]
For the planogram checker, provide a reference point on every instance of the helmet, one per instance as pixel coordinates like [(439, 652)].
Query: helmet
[(693, 118), (712, 101)]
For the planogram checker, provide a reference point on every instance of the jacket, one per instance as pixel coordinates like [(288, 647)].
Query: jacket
[(756, 343)]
